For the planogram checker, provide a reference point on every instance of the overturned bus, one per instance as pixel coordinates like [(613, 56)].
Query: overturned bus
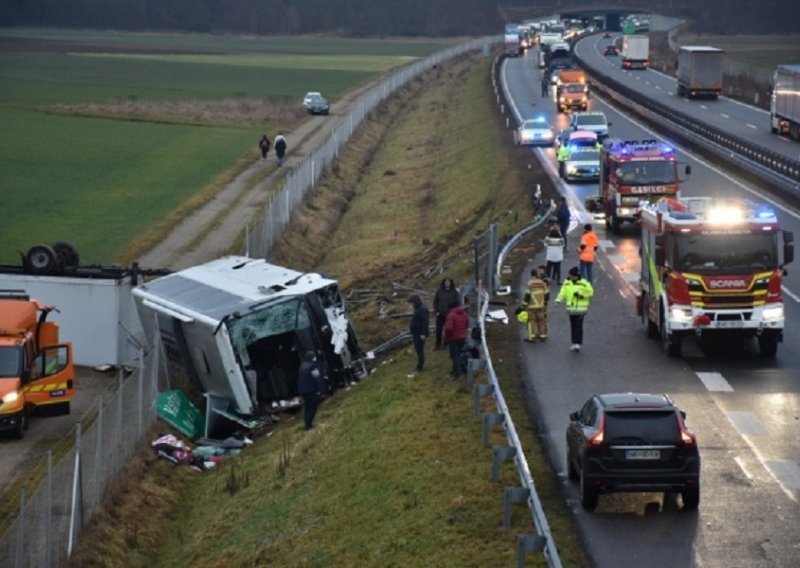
[(239, 328)]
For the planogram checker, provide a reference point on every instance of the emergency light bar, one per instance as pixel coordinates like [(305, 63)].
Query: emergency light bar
[(713, 211)]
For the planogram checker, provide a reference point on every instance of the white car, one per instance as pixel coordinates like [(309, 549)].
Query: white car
[(592, 121), (535, 132)]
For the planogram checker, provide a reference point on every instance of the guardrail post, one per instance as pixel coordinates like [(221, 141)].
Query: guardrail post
[(501, 454), (527, 543), (479, 391), (474, 365), (512, 495), (491, 419)]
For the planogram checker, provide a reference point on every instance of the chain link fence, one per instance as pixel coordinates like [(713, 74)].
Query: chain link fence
[(75, 475)]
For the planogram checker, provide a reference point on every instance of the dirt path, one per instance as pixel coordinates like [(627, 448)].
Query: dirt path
[(211, 231)]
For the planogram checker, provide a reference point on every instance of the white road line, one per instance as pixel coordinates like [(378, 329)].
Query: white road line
[(753, 126), (746, 423), (704, 107), (647, 82), (740, 462), (723, 115), (715, 382), (786, 472)]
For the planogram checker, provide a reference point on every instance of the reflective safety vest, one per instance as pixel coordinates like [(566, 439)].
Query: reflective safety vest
[(563, 153), (576, 295), (537, 288), (589, 243)]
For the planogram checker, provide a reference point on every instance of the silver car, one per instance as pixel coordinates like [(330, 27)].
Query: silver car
[(583, 164), (535, 132), (315, 103)]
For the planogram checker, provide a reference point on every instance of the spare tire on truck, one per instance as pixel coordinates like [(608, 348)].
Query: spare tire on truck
[(68, 252), (40, 259)]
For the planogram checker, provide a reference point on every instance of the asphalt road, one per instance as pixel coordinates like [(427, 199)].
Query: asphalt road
[(744, 409)]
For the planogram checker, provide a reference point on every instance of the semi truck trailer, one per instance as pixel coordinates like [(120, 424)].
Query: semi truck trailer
[(784, 109), (699, 71)]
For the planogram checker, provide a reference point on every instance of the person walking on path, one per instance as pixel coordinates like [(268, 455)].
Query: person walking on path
[(419, 329), (445, 295), (535, 301), (576, 293), (554, 253), (456, 326), (264, 145), (310, 383), (563, 216), (280, 148), (587, 252)]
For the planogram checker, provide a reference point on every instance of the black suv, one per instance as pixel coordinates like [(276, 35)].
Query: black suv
[(632, 442)]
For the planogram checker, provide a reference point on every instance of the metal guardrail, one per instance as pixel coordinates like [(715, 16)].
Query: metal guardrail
[(776, 168)]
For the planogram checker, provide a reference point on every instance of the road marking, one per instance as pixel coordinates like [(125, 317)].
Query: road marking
[(647, 82), (723, 115), (753, 126), (704, 107), (746, 423), (658, 87), (715, 382), (786, 472), (740, 463)]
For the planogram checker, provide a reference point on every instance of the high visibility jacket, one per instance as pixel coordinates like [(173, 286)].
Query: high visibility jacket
[(588, 246), (576, 295), (563, 153), (537, 288)]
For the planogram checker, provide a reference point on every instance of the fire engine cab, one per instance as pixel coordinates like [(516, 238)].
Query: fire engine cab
[(632, 171), (712, 266)]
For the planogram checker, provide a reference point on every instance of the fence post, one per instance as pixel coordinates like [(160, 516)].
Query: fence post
[(512, 495), (98, 455), (527, 543), (76, 474), (491, 419), (480, 391), (501, 454), (140, 407)]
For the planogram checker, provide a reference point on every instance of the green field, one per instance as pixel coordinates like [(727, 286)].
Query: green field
[(98, 181)]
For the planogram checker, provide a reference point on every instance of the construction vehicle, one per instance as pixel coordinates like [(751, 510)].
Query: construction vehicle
[(632, 171), (635, 52), (699, 72), (784, 108), (36, 371), (712, 266)]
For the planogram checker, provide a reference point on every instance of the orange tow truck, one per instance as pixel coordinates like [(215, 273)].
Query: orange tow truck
[(572, 90), (36, 371)]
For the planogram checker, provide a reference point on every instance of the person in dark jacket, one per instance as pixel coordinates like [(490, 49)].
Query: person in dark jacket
[(420, 328), (445, 295), (456, 326), (310, 383), (563, 216), (280, 148), (264, 145)]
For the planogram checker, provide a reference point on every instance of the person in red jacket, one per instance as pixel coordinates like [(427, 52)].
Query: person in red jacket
[(456, 326)]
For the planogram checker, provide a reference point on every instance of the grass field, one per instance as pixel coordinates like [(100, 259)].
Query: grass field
[(77, 165)]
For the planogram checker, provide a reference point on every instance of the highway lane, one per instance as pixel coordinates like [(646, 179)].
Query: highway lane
[(747, 121), (746, 410)]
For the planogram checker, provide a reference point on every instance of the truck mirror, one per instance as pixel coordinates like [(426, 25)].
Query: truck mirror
[(788, 247), (688, 170)]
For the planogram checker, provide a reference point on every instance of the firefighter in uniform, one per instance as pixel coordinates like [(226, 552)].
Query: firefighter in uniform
[(536, 294)]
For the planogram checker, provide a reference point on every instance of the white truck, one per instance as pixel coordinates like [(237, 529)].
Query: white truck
[(784, 108), (699, 71), (635, 52), (512, 45)]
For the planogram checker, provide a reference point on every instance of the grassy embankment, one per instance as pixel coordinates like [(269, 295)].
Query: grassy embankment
[(108, 135), (395, 474)]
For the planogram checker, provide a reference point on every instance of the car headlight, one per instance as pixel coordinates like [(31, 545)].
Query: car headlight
[(547, 134), (774, 313), (681, 314), (11, 397), (572, 169)]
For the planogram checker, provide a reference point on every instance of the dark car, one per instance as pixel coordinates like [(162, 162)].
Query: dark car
[(315, 103), (606, 35), (611, 50), (633, 443)]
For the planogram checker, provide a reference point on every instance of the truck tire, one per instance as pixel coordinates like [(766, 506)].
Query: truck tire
[(68, 252), (19, 431), (794, 131), (768, 344), (40, 259), (670, 341), (616, 224)]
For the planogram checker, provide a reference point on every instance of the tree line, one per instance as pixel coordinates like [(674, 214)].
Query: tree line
[(357, 18)]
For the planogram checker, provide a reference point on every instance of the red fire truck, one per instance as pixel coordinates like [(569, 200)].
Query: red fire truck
[(712, 266), (632, 171)]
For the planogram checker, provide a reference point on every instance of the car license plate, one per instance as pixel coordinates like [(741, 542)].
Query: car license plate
[(537, 136), (642, 454), (729, 324)]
